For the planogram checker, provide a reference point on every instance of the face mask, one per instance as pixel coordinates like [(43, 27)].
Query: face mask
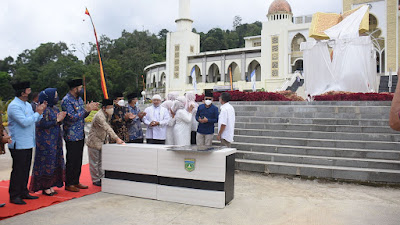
[(137, 104), (121, 103), (81, 92), (110, 111), (208, 102), (56, 99)]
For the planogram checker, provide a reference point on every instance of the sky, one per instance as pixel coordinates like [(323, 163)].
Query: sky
[(25, 24)]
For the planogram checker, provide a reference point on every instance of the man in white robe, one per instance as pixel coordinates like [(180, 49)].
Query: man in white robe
[(156, 119)]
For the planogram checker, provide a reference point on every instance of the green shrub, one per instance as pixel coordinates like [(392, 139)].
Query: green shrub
[(89, 119)]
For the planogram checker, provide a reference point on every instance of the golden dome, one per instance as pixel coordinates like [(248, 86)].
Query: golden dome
[(279, 6)]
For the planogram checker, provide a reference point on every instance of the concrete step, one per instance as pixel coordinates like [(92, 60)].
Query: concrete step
[(330, 172), (315, 103), (317, 121), (313, 109), (314, 115), (318, 151), (319, 135), (315, 127), (320, 160), (319, 142)]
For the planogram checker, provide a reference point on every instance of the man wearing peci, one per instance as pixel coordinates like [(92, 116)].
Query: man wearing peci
[(21, 123), (74, 133), (156, 119), (207, 116)]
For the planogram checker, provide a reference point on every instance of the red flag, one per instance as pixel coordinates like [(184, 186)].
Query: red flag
[(87, 12)]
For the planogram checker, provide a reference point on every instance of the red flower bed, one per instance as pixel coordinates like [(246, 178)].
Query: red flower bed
[(249, 96), (346, 96)]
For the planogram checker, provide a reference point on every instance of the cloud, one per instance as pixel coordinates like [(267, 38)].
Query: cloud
[(27, 24)]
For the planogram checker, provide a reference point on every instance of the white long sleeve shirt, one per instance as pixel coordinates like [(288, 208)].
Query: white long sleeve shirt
[(159, 114)]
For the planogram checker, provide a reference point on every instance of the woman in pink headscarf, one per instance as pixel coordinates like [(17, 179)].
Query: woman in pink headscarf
[(170, 126), (183, 121), (191, 101)]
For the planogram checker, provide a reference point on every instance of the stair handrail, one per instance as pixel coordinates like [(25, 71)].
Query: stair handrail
[(289, 82)]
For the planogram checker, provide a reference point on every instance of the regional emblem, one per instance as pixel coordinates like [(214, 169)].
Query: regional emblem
[(190, 164)]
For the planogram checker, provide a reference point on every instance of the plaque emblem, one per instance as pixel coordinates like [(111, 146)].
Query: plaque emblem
[(190, 164)]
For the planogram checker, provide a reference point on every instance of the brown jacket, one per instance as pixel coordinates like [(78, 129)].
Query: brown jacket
[(100, 130)]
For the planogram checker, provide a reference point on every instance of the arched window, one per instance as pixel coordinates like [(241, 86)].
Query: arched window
[(213, 74), (297, 40), (236, 75), (254, 65)]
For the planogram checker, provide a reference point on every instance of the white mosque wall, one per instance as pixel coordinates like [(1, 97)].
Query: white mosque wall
[(378, 9)]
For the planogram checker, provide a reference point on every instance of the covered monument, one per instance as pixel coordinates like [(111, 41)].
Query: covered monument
[(340, 59)]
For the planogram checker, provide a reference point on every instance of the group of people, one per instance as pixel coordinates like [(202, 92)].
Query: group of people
[(177, 121), (42, 125)]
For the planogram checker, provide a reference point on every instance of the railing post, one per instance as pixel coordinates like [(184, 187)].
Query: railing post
[(390, 80)]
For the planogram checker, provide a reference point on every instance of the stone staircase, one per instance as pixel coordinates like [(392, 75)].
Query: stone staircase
[(384, 82), (333, 140)]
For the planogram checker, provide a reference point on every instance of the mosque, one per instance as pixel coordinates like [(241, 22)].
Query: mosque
[(274, 55)]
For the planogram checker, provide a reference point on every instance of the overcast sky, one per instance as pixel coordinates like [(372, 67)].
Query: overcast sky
[(24, 24)]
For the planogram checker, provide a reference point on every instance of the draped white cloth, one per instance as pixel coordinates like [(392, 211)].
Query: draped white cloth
[(170, 126), (191, 100), (353, 67), (182, 128)]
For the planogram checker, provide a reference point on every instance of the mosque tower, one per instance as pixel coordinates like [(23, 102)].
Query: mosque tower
[(180, 44)]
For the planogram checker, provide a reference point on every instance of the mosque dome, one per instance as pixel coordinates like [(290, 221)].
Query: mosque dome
[(279, 6)]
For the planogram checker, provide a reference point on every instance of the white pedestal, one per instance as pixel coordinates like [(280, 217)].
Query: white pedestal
[(152, 171)]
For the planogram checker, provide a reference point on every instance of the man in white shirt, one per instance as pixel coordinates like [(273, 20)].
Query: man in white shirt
[(156, 119), (226, 121)]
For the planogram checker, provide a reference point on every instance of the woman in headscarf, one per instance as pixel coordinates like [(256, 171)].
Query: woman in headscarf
[(191, 101), (172, 96), (49, 168), (183, 121), (170, 127)]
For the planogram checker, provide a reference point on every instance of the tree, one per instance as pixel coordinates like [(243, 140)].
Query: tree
[(6, 90), (237, 21)]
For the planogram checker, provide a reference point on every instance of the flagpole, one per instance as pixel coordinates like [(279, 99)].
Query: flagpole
[(230, 75), (84, 89), (102, 77)]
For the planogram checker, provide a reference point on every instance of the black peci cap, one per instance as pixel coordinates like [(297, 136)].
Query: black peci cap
[(75, 83), (209, 93), (132, 96), (21, 85), (107, 102)]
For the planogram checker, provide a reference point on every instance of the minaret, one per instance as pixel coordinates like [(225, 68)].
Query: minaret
[(184, 23), (180, 44)]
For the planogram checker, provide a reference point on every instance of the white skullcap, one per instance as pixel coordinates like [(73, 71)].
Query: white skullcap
[(156, 97)]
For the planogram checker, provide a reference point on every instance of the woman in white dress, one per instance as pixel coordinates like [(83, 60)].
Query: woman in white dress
[(191, 101), (170, 126), (183, 121)]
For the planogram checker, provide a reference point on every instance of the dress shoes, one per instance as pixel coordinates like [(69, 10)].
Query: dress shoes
[(28, 196), (48, 194), (17, 201), (71, 188), (81, 186), (97, 183)]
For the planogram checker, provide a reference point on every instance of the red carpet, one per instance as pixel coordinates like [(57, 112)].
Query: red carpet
[(11, 210)]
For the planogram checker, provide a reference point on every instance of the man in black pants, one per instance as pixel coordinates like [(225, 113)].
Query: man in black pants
[(21, 123), (74, 133)]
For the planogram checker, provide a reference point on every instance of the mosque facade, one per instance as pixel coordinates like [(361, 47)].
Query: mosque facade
[(274, 55)]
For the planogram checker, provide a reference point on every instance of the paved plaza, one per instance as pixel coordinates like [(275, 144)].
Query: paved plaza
[(258, 199)]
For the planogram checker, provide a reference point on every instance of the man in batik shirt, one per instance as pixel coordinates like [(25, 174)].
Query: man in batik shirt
[(119, 120), (74, 133), (134, 118)]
